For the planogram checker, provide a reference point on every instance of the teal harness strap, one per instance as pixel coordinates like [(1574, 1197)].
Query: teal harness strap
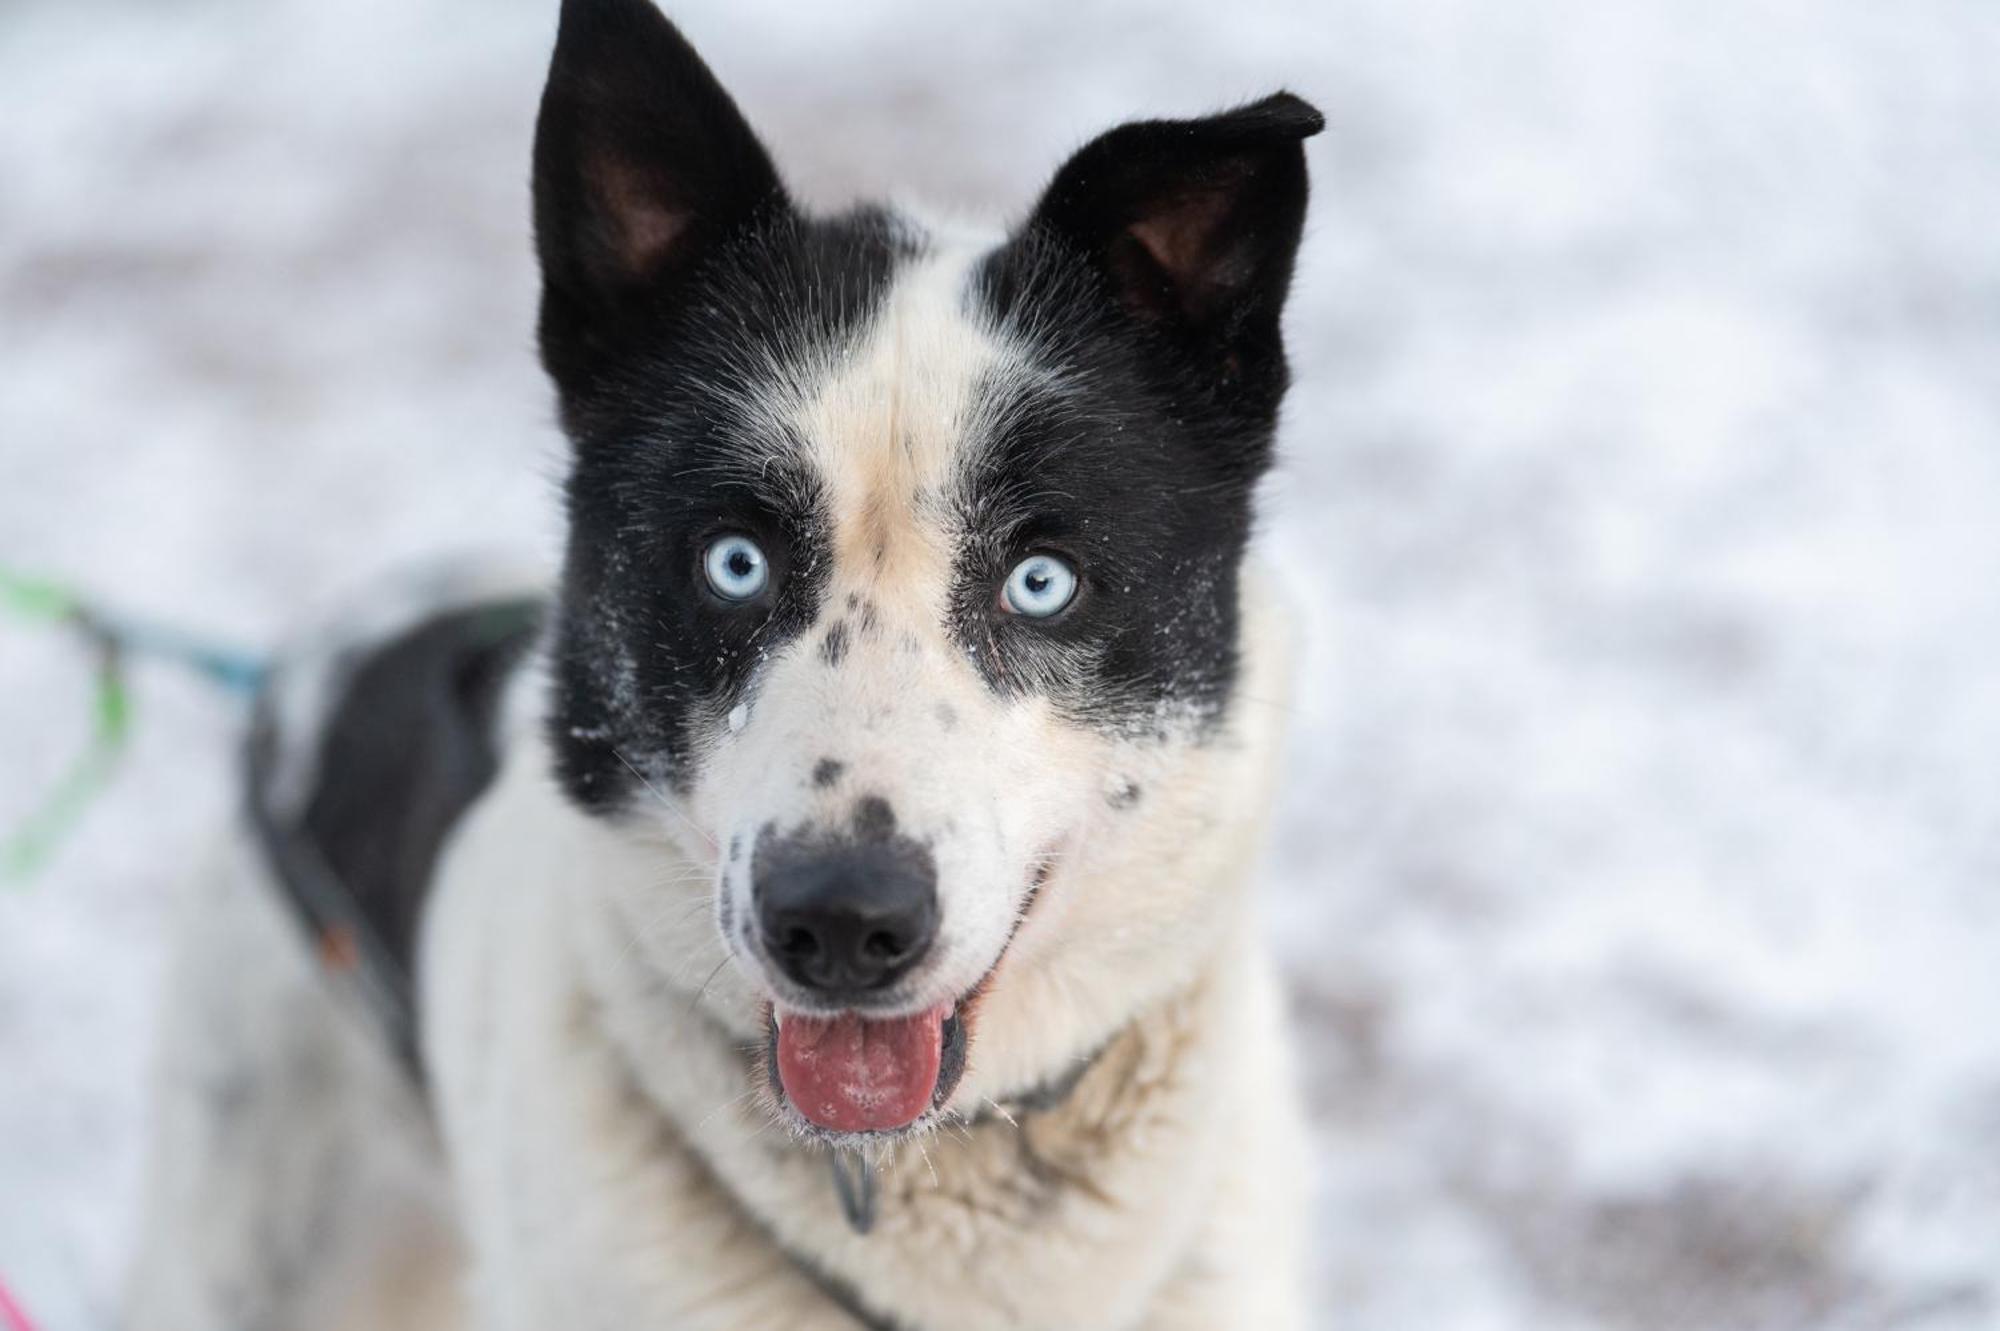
[(112, 641)]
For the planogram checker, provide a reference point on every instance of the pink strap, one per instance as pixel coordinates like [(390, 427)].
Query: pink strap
[(12, 1315)]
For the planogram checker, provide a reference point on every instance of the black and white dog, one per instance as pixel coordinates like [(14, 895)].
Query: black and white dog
[(851, 928)]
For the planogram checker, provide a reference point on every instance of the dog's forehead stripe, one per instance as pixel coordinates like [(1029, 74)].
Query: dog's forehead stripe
[(896, 421)]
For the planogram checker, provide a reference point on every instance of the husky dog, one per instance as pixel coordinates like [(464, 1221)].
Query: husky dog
[(856, 929)]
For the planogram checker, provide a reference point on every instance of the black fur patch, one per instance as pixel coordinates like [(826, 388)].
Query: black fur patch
[(827, 772), (672, 260), (1148, 286), (833, 648), (874, 818), (867, 619), (665, 463), (405, 748)]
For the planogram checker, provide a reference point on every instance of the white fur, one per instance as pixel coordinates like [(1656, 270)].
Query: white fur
[(295, 1180)]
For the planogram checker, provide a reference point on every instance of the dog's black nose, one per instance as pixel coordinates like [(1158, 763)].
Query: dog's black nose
[(846, 917)]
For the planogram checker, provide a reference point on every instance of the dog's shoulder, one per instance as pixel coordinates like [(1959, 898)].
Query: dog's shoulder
[(374, 738)]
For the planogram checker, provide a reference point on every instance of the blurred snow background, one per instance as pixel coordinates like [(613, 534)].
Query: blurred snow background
[(1640, 872)]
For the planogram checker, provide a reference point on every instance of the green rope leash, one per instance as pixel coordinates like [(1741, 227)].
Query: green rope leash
[(28, 847)]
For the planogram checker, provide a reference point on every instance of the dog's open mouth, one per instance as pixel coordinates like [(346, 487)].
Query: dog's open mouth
[(851, 1073)]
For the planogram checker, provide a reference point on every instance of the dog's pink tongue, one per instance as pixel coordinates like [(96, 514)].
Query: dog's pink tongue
[(854, 1075)]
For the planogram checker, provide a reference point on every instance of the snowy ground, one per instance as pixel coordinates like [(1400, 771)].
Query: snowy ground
[(1640, 875)]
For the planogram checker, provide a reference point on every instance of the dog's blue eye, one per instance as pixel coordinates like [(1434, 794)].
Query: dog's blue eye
[(1039, 586), (736, 568)]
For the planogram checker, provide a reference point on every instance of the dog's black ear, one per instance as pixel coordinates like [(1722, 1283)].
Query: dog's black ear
[(1194, 224), (643, 167)]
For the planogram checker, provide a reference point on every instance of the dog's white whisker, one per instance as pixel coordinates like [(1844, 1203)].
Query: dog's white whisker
[(725, 1107), (660, 796), (695, 1003), (646, 930), (927, 1163)]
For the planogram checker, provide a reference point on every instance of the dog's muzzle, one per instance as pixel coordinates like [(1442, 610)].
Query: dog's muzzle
[(844, 919)]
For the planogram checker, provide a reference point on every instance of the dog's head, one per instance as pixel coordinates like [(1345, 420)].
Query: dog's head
[(900, 567)]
